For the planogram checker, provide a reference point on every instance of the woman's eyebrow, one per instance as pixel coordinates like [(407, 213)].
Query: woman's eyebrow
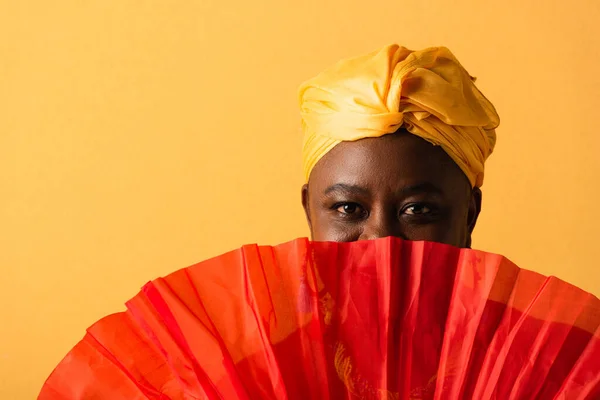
[(418, 188), (346, 188)]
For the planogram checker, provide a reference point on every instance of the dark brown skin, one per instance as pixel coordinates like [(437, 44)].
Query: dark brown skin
[(396, 185)]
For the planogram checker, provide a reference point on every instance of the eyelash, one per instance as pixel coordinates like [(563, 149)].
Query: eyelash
[(418, 205), (349, 203)]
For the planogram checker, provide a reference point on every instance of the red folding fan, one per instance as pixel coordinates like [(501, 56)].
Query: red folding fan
[(383, 319)]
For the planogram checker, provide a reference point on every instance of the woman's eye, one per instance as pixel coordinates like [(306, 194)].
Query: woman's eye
[(417, 209), (349, 209)]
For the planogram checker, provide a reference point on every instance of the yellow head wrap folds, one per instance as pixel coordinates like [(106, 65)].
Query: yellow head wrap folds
[(426, 92)]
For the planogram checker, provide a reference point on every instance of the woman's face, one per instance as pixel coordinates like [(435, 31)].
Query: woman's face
[(396, 185)]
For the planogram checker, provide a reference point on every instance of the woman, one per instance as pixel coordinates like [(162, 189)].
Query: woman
[(395, 145)]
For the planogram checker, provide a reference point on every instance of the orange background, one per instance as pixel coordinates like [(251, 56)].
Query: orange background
[(138, 137)]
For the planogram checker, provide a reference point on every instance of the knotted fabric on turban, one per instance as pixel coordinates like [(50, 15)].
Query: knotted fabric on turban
[(426, 92)]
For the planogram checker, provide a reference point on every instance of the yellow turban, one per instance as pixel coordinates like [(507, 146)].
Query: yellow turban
[(426, 92)]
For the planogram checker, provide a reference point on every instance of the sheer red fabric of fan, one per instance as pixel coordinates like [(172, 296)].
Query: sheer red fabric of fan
[(383, 319)]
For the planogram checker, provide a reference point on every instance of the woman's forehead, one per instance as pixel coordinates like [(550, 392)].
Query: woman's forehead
[(391, 161)]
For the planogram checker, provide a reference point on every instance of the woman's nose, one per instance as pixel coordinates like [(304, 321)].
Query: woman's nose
[(379, 225)]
